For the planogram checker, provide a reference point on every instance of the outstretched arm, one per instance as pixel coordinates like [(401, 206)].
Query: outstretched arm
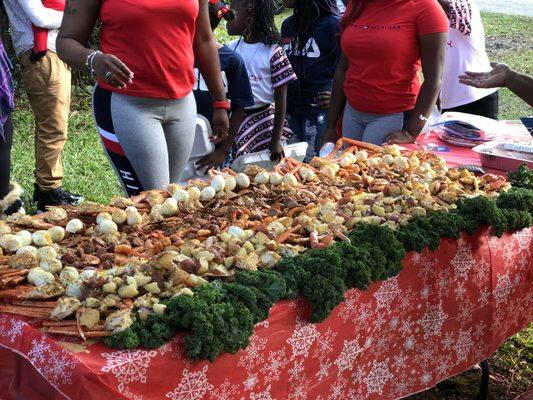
[(502, 75)]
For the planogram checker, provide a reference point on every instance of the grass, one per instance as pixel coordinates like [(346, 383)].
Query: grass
[(86, 170)]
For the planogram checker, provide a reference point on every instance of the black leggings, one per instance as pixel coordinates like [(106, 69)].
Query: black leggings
[(5, 157), (487, 106)]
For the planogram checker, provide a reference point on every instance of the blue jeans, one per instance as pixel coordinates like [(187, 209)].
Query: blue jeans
[(308, 128), (370, 128)]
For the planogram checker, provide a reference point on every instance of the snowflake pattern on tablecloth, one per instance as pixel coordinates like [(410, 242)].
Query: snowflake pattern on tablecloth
[(503, 288), (323, 370), (264, 395), (193, 386), (349, 354), (128, 366), (276, 362), (226, 391), (324, 344), (463, 345), (253, 354), (387, 293), (524, 238), (466, 311), (296, 370), (378, 377), (12, 328), (302, 338), (60, 367), (251, 381), (338, 389), (433, 320), (39, 350), (130, 395), (348, 306), (463, 261)]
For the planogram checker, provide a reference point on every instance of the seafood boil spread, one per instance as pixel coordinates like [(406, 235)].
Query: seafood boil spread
[(91, 270)]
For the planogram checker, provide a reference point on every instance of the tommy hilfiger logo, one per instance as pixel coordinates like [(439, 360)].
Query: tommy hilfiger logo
[(377, 27)]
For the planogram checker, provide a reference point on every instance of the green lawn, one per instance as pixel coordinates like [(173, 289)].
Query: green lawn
[(509, 39)]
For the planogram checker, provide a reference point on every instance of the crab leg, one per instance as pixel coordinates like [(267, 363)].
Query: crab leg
[(287, 234), (68, 331), (26, 311)]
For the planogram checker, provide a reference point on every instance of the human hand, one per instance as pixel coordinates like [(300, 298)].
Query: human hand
[(323, 99), (497, 77), (399, 137), (220, 125), (112, 70), (276, 150), (213, 160)]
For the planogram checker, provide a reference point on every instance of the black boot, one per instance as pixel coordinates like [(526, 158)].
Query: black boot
[(12, 201), (54, 197)]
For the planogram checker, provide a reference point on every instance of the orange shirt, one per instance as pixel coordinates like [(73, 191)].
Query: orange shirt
[(154, 38), (383, 52)]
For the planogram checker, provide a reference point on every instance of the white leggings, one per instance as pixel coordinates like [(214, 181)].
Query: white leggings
[(147, 140)]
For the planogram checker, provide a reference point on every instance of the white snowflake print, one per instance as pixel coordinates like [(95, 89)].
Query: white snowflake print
[(264, 395), (429, 269), (509, 252), (466, 311), (299, 389), (387, 293), (432, 320), (130, 395), (60, 366), (264, 324), (277, 361), (250, 382), (38, 351), (193, 386), (406, 326), (325, 344), (226, 391), (443, 368), (448, 341), (378, 377), (338, 389), (503, 288), (524, 238), (302, 339), (463, 261), (460, 291), (349, 354), (364, 314), (409, 343), (484, 297), (128, 366), (425, 378), (296, 370), (399, 362), (479, 331), (348, 307), (253, 354), (14, 328), (323, 370), (444, 281), (463, 345)]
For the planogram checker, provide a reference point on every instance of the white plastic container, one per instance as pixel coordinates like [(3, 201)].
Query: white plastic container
[(262, 158), (202, 146)]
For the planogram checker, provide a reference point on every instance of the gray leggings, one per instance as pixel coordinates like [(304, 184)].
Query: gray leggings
[(147, 140), (370, 128)]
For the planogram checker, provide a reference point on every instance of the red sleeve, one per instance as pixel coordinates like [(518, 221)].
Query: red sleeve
[(430, 17)]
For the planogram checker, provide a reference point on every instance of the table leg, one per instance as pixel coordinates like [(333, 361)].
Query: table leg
[(484, 386)]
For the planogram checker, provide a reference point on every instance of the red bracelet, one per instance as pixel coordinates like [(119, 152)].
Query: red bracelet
[(226, 104)]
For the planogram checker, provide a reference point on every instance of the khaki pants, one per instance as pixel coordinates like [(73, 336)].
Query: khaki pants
[(47, 83)]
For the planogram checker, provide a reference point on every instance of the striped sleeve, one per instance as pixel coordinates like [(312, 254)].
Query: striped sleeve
[(280, 68)]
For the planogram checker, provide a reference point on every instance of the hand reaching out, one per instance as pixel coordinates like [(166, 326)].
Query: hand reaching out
[(497, 77)]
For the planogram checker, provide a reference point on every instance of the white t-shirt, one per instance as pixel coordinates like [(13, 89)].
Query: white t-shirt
[(268, 67), (22, 14), (465, 51)]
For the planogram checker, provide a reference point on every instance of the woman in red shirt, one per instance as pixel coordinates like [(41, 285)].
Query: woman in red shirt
[(384, 43), (143, 103)]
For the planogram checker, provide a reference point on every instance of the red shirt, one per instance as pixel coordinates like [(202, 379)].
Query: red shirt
[(154, 38), (383, 52)]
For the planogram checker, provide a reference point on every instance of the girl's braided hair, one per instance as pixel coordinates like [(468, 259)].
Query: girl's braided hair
[(262, 13), (306, 13)]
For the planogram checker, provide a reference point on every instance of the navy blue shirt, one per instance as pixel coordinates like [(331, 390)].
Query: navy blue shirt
[(236, 83), (316, 66)]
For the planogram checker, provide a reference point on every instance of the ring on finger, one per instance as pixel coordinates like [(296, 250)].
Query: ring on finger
[(108, 75)]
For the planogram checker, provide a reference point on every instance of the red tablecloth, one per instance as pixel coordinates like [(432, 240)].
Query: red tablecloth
[(455, 155), (446, 311)]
